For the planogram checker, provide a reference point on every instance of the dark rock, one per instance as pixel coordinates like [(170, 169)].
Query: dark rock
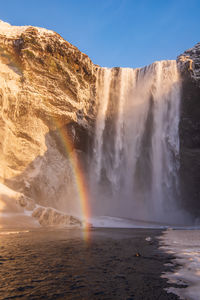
[(189, 67)]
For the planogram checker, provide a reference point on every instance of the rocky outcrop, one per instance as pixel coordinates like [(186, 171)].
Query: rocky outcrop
[(46, 86), (189, 66), (18, 210), (12, 201), (47, 216)]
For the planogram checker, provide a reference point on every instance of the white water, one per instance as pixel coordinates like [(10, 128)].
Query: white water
[(134, 172), (103, 86), (185, 245)]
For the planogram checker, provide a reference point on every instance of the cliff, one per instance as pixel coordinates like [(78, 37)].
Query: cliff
[(189, 66), (46, 85)]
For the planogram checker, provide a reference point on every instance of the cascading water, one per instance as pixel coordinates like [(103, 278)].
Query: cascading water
[(134, 170)]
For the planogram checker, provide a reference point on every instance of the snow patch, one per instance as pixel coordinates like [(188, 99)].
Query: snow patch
[(185, 245), (12, 31), (19, 211)]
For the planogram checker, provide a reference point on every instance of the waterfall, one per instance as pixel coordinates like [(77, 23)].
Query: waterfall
[(134, 169)]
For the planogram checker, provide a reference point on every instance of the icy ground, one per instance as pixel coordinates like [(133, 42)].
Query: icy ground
[(185, 245)]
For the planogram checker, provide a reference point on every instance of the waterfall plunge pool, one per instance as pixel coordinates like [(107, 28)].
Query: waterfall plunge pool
[(59, 264)]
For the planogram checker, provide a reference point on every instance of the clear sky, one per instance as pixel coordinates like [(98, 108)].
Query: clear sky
[(126, 33)]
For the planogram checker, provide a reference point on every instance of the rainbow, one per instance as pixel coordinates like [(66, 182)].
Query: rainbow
[(78, 175)]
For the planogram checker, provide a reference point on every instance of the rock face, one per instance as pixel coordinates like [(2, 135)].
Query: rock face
[(189, 66), (46, 86)]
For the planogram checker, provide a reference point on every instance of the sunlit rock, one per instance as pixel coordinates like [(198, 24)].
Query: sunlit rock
[(48, 216), (189, 64), (47, 87)]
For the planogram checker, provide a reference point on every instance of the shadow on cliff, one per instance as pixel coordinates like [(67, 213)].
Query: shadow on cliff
[(49, 179), (190, 145)]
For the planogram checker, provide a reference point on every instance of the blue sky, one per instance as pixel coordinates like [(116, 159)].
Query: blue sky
[(126, 33)]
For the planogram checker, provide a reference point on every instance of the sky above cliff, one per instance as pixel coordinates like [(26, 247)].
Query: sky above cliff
[(126, 33)]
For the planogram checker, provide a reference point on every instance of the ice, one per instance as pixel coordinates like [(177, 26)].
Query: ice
[(15, 210), (185, 245), (19, 211)]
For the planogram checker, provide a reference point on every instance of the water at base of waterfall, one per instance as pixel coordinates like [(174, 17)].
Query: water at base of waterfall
[(60, 264)]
